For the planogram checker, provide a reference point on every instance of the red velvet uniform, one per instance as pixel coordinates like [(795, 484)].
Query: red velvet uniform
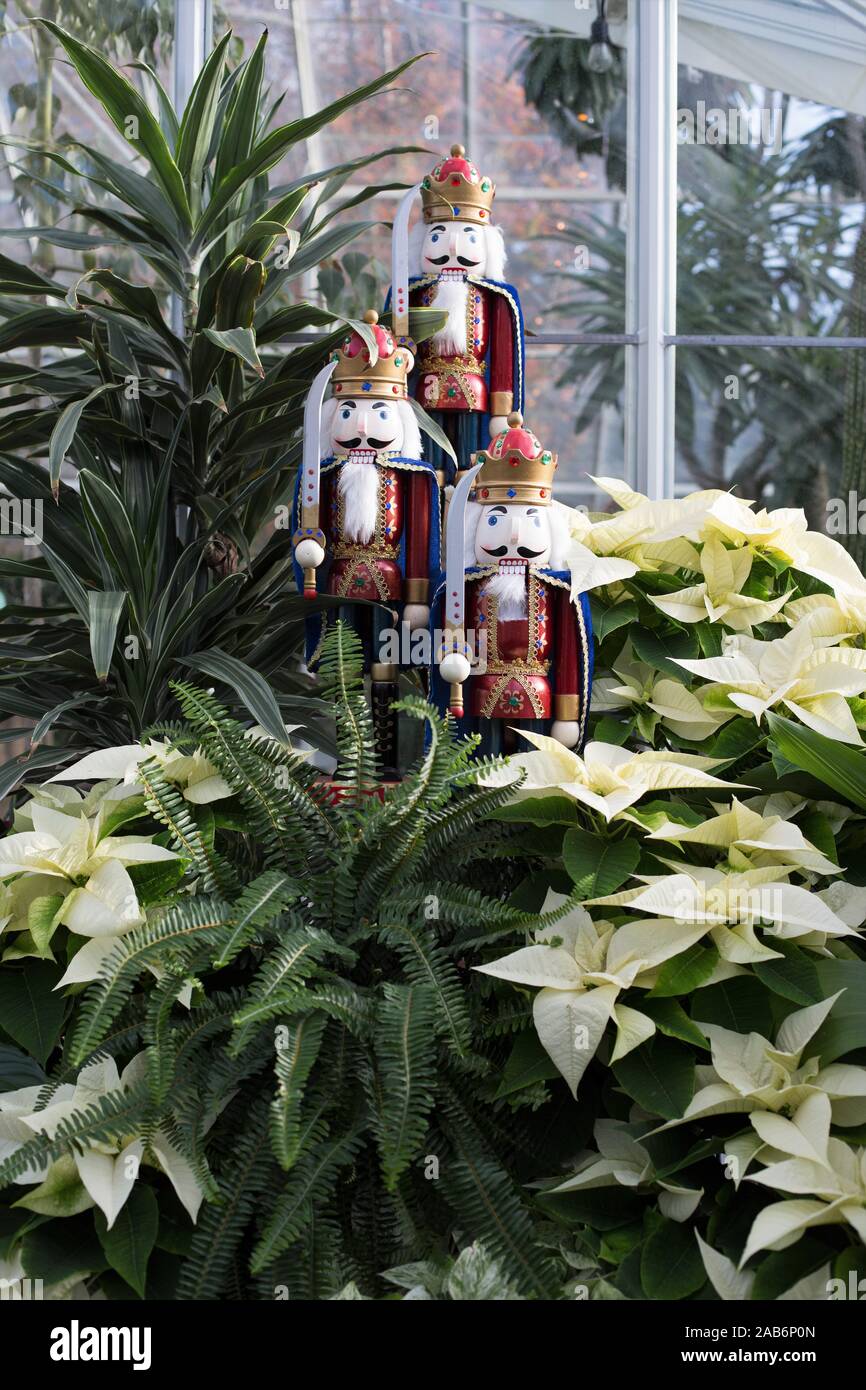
[(371, 570), (516, 685), (458, 381)]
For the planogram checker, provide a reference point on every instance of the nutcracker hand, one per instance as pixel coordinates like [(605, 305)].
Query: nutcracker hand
[(565, 731), (498, 423), (416, 615), (454, 668), (309, 554)]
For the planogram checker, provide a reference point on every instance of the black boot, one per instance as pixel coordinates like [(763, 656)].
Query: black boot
[(383, 693)]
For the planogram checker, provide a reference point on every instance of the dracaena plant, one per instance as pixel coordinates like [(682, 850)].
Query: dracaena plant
[(149, 429)]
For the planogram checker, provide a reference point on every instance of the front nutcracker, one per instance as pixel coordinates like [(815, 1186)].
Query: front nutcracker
[(470, 374), (367, 512), (531, 640)]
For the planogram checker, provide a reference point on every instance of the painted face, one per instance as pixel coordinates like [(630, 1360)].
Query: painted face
[(515, 532), (367, 424), (454, 246)]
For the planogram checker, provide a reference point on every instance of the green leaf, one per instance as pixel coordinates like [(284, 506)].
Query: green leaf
[(59, 1250), (686, 972), (105, 609), (241, 342), (61, 1194), (671, 1267), (660, 652), (741, 1004), (407, 1066), (845, 1029), (63, 434), (29, 1012), (129, 1243), (598, 866), (671, 1019), (833, 763), (793, 976), (129, 112), (659, 1075), (607, 618), (252, 689), (18, 1070), (527, 1064), (197, 122), (42, 919), (538, 810)]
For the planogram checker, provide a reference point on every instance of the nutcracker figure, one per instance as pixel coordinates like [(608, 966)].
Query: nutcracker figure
[(470, 374), (517, 648), (367, 509)]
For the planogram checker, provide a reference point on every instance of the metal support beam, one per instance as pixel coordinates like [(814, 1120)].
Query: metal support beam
[(652, 229), (193, 37)]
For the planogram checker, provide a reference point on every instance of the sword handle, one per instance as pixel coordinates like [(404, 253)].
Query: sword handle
[(310, 582), (455, 703)]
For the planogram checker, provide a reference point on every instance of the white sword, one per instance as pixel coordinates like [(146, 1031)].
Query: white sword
[(400, 266), (311, 470), (455, 574)]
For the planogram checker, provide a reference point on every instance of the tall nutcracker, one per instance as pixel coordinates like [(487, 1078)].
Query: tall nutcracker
[(517, 653), (471, 373), (367, 509)]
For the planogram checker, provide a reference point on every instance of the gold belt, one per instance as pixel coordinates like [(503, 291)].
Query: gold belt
[(458, 367)]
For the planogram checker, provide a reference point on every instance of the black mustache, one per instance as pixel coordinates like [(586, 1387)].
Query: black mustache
[(371, 443), (523, 551), (443, 260)]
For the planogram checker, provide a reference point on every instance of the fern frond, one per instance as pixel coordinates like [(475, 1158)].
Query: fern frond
[(406, 1074), (109, 1120), (427, 963), (313, 1180), (294, 1061)]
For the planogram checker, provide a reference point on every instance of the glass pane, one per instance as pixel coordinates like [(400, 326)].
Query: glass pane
[(44, 100), (782, 425), (574, 403), (771, 168), (517, 93)]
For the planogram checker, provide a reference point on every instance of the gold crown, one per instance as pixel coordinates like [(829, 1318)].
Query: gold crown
[(515, 468), (386, 378), (455, 191)]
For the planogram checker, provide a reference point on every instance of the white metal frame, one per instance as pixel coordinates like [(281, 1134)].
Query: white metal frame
[(652, 239)]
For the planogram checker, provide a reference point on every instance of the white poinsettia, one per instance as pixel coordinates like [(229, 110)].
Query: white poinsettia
[(731, 905), (784, 534), (192, 773), (825, 1176), (622, 1161), (735, 1285), (72, 847), (751, 840), (639, 686), (799, 671), (196, 777), (606, 778), (750, 1073), (720, 596), (107, 1171), (580, 968), (655, 535)]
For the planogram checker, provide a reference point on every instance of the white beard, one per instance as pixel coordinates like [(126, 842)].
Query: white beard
[(359, 491), (509, 589), (451, 295)]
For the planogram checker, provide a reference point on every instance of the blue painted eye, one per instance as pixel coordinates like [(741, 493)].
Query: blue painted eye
[(537, 520), (434, 238), (346, 414), (473, 238), (493, 521)]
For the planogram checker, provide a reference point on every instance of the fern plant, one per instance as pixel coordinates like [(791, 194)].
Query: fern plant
[(310, 1058)]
